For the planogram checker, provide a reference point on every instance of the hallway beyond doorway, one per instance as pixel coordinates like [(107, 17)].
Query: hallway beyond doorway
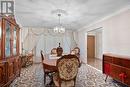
[(94, 62)]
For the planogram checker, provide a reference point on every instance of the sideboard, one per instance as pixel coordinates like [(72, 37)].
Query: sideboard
[(118, 67)]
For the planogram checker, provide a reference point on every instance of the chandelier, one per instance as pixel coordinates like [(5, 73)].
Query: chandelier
[(59, 28)]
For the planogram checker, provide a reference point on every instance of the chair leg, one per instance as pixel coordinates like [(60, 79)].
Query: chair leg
[(44, 78), (106, 78), (51, 78)]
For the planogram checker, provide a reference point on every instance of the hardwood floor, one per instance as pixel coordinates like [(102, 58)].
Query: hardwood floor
[(94, 62)]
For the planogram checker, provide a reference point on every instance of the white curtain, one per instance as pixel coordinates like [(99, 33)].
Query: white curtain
[(46, 39)]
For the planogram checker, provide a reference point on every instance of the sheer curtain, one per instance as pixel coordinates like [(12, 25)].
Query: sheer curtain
[(46, 39)]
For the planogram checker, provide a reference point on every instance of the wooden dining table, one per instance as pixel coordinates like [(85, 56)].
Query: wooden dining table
[(51, 60), (50, 64)]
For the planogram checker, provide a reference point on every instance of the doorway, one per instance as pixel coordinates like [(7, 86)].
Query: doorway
[(90, 46), (94, 48)]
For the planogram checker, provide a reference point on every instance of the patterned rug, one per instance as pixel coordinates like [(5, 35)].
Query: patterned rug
[(32, 76)]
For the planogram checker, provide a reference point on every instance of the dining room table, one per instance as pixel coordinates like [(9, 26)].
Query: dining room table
[(49, 62)]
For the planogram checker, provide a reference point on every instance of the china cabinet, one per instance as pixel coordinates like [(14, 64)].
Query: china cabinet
[(9, 50)]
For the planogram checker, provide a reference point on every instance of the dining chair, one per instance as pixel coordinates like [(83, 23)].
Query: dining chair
[(75, 51), (54, 51), (67, 71), (47, 71)]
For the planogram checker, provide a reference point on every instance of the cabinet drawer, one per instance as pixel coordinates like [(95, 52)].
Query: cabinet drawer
[(127, 79), (126, 63), (116, 71), (107, 58), (121, 62), (117, 61)]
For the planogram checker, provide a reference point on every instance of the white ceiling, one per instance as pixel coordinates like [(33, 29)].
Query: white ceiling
[(38, 13)]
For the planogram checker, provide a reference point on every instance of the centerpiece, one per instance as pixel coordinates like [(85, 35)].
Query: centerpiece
[(59, 50)]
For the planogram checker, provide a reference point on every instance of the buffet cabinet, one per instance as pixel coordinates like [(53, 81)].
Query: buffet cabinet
[(10, 62), (118, 67)]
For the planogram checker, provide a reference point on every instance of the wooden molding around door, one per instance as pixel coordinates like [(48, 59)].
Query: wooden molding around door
[(90, 46)]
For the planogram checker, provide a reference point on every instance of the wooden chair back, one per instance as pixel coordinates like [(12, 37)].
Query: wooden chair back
[(73, 52), (68, 68), (77, 50), (54, 51), (42, 57)]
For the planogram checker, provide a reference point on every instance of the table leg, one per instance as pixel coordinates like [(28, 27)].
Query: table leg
[(106, 78)]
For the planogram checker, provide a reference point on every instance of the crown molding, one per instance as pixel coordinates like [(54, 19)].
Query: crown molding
[(106, 17)]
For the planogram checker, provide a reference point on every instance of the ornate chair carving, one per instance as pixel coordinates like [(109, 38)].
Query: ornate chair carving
[(46, 68), (67, 71), (54, 51)]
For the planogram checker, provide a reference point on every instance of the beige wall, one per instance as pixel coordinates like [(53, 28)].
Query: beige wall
[(116, 34)]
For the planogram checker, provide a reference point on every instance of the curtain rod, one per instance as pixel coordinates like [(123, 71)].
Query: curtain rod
[(95, 29)]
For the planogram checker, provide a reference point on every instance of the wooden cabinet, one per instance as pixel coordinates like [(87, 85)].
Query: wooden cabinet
[(2, 73), (10, 63), (118, 67)]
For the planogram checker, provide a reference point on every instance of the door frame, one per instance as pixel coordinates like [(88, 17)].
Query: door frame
[(87, 33)]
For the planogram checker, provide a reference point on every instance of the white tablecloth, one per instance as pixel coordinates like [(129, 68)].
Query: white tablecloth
[(54, 57)]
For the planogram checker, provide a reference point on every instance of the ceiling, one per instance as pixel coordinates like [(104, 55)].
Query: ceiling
[(38, 13)]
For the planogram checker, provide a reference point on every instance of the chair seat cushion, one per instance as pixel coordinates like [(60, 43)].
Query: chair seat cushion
[(63, 83)]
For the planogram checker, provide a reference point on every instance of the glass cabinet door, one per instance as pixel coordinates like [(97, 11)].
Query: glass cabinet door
[(7, 40), (14, 42), (0, 35)]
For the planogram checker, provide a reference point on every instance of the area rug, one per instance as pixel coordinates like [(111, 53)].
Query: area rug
[(33, 76)]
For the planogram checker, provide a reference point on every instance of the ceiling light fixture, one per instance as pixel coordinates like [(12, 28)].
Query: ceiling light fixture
[(59, 28)]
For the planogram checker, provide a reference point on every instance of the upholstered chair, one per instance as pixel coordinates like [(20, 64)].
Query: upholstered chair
[(47, 71), (54, 51), (67, 71), (75, 51)]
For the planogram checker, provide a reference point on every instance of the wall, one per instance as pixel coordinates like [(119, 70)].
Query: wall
[(116, 34), (99, 50)]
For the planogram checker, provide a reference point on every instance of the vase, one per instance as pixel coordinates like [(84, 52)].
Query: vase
[(59, 50)]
